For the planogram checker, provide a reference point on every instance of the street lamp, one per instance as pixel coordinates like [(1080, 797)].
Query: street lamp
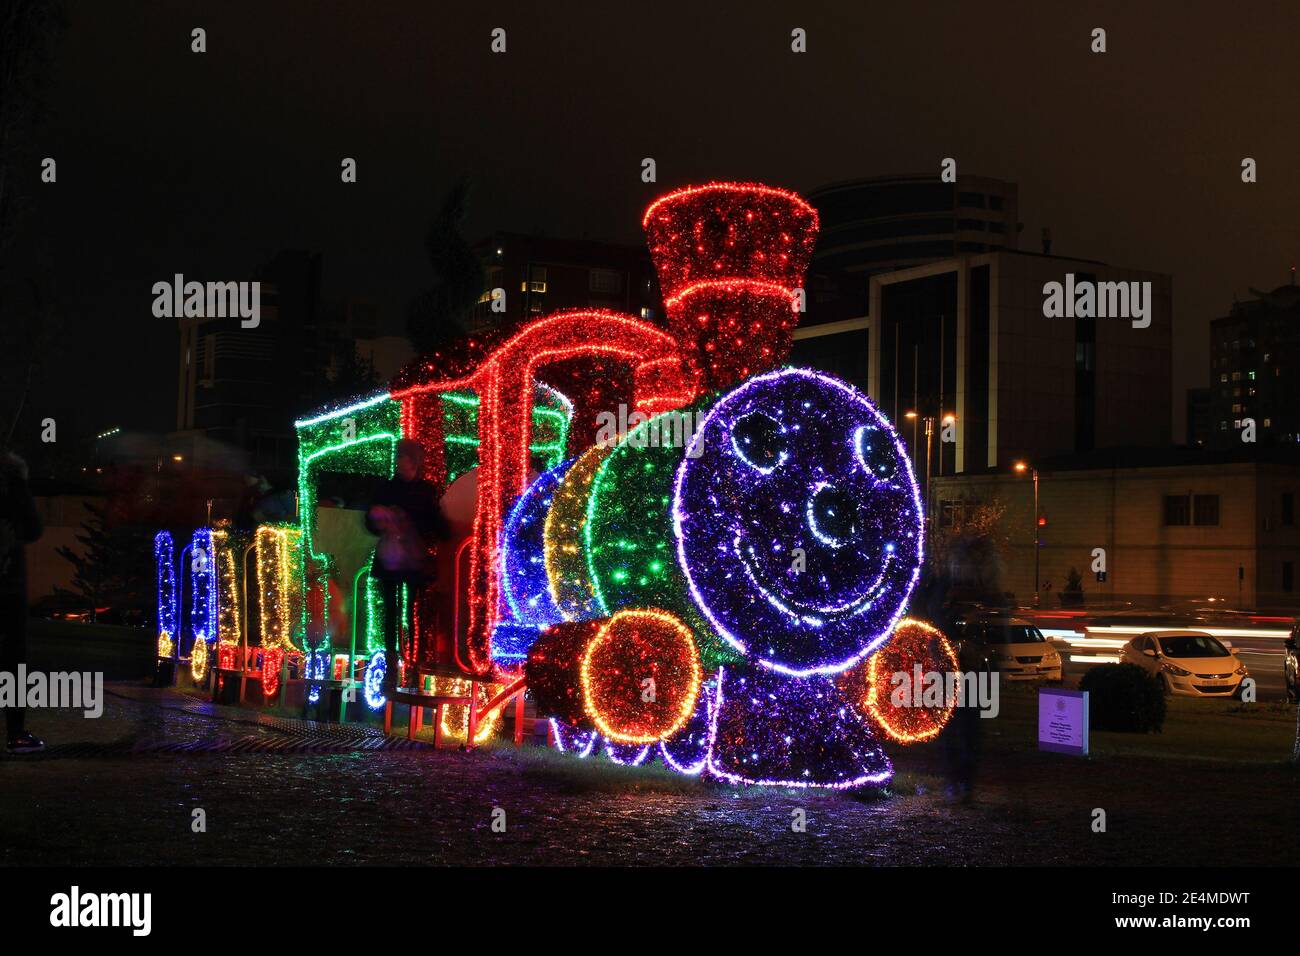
[(913, 417), (947, 419), (1022, 467)]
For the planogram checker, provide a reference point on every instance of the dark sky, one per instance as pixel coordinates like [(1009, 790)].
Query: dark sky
[(207, 164)]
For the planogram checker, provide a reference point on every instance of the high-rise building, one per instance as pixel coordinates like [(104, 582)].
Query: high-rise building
[(541, 275), (969, 338), (876, 225), (1255, 369), (1199, 414), (244, 386)]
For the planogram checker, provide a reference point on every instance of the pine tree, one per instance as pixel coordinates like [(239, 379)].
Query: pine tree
[(112, 567), (438, 314)]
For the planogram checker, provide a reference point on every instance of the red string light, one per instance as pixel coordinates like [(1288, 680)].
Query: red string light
[(504, 380), (729, 258), (635, 677), (915, 649)]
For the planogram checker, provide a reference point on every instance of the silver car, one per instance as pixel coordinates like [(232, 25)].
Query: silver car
[(1190, 663)]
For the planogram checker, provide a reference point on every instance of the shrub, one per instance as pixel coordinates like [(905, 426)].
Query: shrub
[(1124, 697)]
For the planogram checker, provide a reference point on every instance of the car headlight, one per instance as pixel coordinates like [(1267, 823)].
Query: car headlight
[(1240, 671), (1174, 669)]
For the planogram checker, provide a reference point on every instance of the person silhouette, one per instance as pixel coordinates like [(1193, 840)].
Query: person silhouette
[(406, 516), (20, 524)]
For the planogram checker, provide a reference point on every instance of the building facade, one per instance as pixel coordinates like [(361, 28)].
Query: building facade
[(541, 275), (880, 224), (1185, 528), (968, 338), (1255, 370)]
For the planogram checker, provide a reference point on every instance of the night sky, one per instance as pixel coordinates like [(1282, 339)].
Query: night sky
[(206, 164)]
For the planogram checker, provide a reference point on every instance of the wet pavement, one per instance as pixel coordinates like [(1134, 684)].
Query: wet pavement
[(123, 790)]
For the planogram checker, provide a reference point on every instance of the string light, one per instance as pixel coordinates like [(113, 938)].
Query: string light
[(634, 677), (199, 661), (572, 589), (571, 740), (279, 575), (203, 592), (640, 677), (272, 663), (687, 751), (164, 554), (915, 649), (524, 582), (804, 563), (317, 668), (770, 729), (628, 537), (376, 669), (455, 717), (625, 754), (730, 257), (553, 671), (229, 554), (503, 373)]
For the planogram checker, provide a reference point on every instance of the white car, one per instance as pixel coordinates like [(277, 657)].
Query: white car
[(1191, 663), (1015, 648)]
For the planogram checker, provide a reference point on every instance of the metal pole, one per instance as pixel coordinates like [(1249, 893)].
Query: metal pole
[(929, 433), (1037, 539)]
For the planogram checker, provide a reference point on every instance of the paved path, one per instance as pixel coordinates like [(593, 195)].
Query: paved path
[(123, 790)]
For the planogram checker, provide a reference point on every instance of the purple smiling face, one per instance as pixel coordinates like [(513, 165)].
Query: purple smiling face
[(799, 523)]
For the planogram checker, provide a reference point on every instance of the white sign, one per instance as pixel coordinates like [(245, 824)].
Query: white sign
[(1063, 721)]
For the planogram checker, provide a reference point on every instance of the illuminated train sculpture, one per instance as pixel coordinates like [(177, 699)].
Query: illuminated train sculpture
[(720, 584), (694, 587)]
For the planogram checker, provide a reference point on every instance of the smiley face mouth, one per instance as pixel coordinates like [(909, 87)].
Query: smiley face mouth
[(813, 614)]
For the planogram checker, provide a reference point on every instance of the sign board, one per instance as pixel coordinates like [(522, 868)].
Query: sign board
[(1063, 721)]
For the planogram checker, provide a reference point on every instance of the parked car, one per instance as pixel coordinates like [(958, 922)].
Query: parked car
[(1291, 667), (1190, 663), (1012, 646)]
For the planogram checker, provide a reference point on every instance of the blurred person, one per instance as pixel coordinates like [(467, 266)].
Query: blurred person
[(961, 738), (932, 600), (409, 521), (256, 488), (19, 526)]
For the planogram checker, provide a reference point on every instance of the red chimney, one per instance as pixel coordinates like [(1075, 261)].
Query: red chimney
[(730, 257)]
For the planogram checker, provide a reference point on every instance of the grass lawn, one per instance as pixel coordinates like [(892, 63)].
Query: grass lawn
[(120, 653), (1218, 730)]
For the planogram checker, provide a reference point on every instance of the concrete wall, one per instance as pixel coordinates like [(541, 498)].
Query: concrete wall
[(62, 515), (1122, 511)]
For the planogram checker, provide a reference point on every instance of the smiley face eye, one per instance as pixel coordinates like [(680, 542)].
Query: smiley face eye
[(831, 515), (872, 448), (759, 441)]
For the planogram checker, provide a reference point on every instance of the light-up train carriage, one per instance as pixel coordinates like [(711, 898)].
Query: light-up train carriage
[(203, 601), (187, 602), (343, 453)]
